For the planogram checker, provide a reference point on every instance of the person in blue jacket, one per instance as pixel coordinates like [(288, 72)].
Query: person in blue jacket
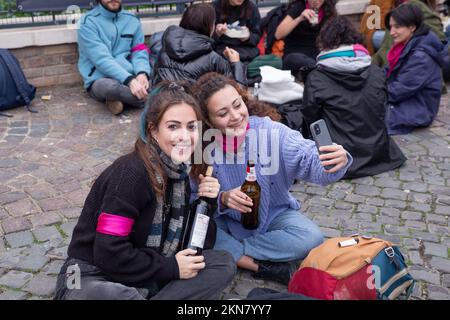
[(413, 72), (113, 60)]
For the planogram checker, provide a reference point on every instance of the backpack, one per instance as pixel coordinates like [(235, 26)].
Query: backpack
[(353, 268), (15, 91), (269, 25), (155, 45)]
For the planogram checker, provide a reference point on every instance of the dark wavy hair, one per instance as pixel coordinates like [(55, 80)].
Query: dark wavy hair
[(200, 18), (405, 15), (208, 84), (336, 32)]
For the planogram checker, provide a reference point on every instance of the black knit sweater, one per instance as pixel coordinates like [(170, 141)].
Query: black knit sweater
[(124, 189)]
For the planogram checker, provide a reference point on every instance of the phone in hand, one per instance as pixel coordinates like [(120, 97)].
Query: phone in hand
[(321, 136)]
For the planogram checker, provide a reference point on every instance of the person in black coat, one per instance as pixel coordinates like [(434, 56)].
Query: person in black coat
[(188, 50), (131, 240), (349, 93), (246, 14)]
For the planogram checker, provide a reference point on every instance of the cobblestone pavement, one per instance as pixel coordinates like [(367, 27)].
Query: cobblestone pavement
[(48, 161)]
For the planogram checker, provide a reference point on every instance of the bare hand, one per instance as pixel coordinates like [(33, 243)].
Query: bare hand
[(189, 264), (143, 80), (231, 54), (137, 89), (208, 187), (336, 156), (307, 14), (236, 199), (221, 28)]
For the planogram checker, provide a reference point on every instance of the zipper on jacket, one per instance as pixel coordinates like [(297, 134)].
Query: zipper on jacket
[(117, 30), (92, 71)]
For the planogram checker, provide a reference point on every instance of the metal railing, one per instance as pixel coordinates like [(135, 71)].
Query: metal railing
[(16, 14)]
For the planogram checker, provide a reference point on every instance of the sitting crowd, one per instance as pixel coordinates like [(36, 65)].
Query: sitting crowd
[(130, 240)]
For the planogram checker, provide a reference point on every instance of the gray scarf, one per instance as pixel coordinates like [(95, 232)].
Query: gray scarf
[(171, 207)]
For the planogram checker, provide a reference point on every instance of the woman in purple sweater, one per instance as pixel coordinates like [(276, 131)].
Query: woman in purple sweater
[(281, 155)]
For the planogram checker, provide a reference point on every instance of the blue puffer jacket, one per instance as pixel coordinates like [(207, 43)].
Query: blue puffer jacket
[(414, 86), (105, 39)]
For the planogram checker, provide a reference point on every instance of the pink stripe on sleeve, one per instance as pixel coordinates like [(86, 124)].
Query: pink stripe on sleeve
[(140, 47), (114, 225)]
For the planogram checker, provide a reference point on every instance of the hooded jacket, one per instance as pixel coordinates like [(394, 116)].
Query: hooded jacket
[(350, 95), (105, 40), (187, 55), (414, 86)]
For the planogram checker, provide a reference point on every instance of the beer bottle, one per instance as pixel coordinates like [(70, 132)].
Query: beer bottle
[(250, 220), (201, 222)]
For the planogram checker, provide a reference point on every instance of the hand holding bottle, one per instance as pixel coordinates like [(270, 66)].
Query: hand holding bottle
[(189, 264), (236, 199), (208, 187)]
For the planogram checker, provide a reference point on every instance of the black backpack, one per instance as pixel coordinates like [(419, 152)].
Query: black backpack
[(15, 91)]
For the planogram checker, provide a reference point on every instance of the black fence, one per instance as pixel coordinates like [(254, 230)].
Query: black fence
[(26, 13)]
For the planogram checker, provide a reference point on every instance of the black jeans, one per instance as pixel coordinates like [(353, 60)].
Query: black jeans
[(106, 89), (297, 60), (208, 284)]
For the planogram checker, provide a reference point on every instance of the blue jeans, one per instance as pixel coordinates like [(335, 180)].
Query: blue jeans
[(290, 236)]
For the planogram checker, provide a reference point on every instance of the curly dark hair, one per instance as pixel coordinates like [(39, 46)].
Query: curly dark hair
[(336, 32)]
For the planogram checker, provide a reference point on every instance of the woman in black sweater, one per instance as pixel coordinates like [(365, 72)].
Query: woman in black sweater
[(130, 240), (300, 29), (246, 14)]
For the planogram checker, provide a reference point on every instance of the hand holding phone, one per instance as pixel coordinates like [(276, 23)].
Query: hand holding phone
[(321, 136)]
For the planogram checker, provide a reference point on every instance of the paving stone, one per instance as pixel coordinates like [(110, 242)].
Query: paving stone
[(58, 253), (436, 249), (390, 212), (437, 219), (396, 230), (390, 193), (344, 205), (68, 227), (9, 197), (411, 243), (415, 186), (54, 204), (46, 233), (354, 198), (71, 213), (444, 200), (424, 274), (341, 214), (436, 229), (410, 215), (414, 257), (45, 219), (375, 202), (33, 263), (19, 239), (15, 279), (367, 208), (365, 190), (363, 217), (326, 222), (446, 280), (53, 268), (2, 245), (13, 295), (387, 183), (15, 224), (243, 287), (438, 293), (425, 236), (399, 204), (330, 233), (41, 285), (420, 207), (21, 208), (370, 227), (441, 264), (417, 225), (444, 210)]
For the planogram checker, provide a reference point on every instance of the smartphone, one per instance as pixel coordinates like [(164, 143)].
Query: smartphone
[(321, 136)]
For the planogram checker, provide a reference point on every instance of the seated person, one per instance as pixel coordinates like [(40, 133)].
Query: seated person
[(130, 240), (188, 50), (113, 59), (300, 29), (245, 14), (284, 235), (414, 78), (349, 93)]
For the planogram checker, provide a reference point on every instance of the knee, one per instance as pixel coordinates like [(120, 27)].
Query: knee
[(229, 266), (306, 240)]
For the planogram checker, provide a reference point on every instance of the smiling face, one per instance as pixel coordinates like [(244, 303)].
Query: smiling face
[(236, 3), (228, 112), (112, 5), (177, 132), (400, 34)]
